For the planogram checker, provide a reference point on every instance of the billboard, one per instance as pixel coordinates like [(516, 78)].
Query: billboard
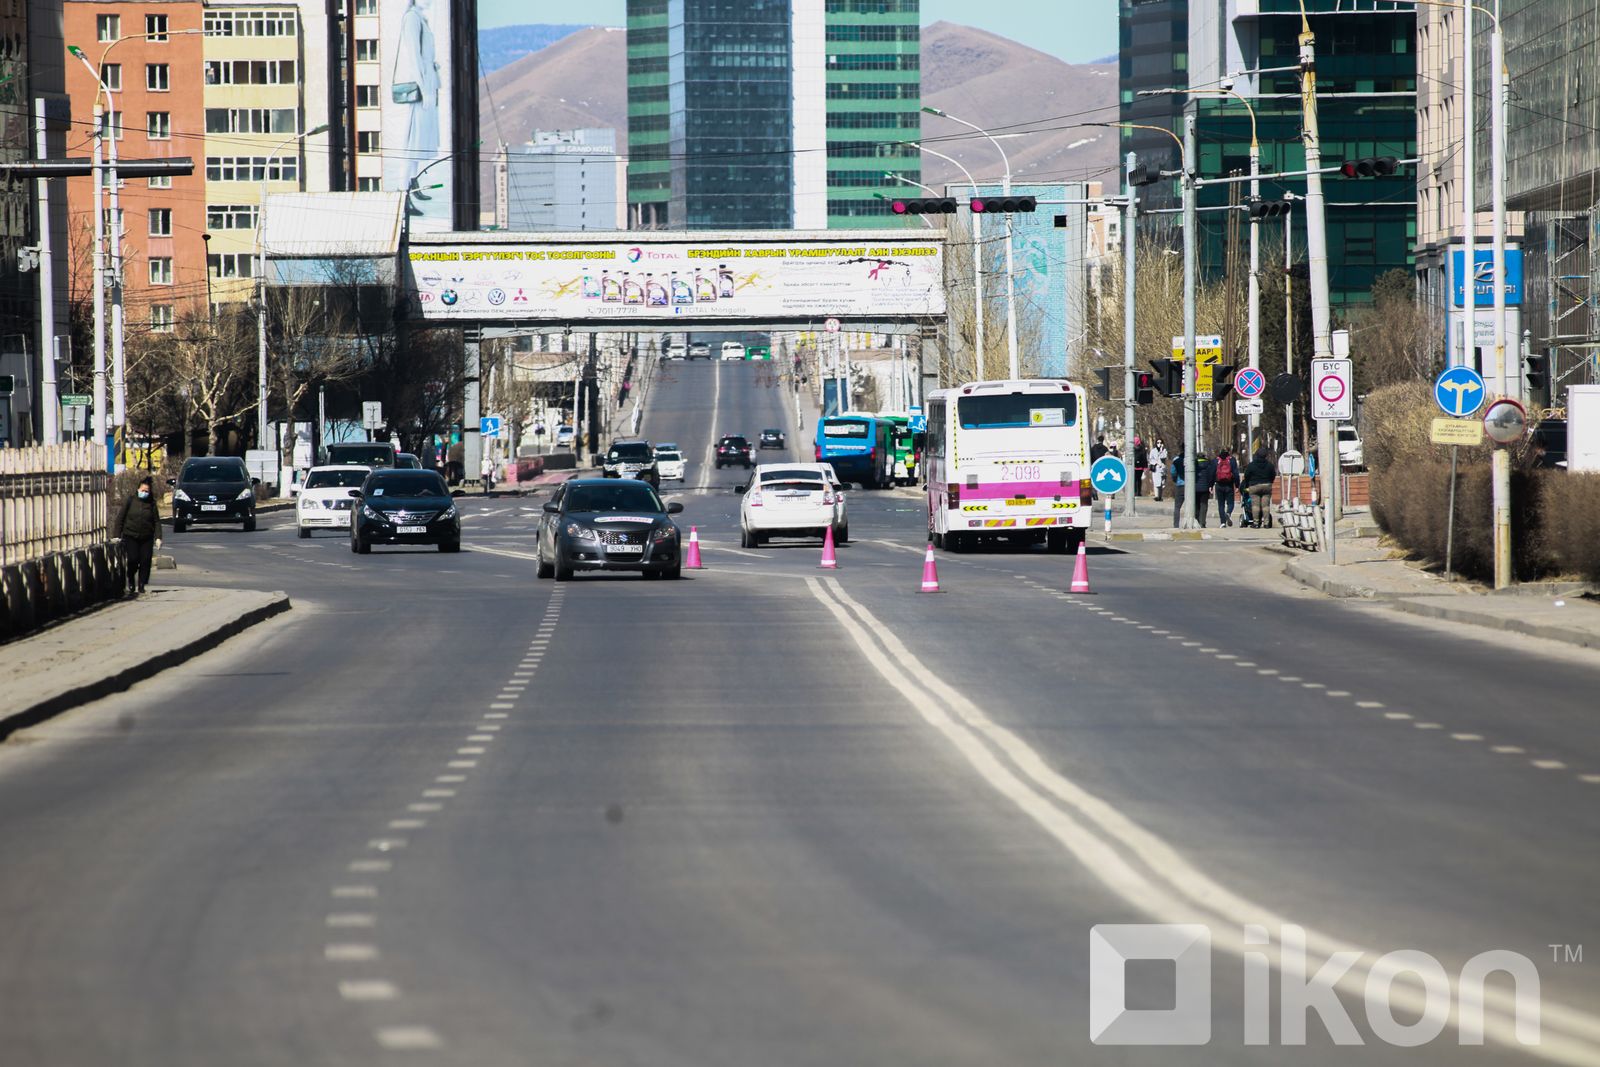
[(671, 280), (1483, 277), (417, 106), (1050, 272)]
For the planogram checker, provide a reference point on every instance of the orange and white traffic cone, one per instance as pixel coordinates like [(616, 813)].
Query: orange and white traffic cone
[(930, 572), (1080, 570), (830, 561), (693, 561)]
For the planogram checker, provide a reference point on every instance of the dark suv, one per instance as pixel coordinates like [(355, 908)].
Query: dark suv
[(632, 459), (213, 489), (732, 449), (772, 439)]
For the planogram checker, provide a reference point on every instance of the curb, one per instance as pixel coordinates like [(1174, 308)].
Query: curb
[(1331, 586), (1427, 609), (138, 672)]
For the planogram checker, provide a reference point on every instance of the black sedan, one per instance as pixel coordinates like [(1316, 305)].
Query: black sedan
[(772, 439), (213, 489), (405, 507), (598, 524)]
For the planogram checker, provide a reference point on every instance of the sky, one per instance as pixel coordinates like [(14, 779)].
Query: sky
[(1090, 32)]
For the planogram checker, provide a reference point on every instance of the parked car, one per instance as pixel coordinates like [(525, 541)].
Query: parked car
[(326, 501), (565, 436), (632, 459), (400, 507), (213, 489), (609, 525), (772, 439), (732, 449), (1350, 450)]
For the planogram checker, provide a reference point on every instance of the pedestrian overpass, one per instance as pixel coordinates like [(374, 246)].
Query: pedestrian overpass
[(496, 284)]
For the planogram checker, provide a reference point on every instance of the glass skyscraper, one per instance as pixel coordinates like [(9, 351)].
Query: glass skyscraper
[(771, 114)]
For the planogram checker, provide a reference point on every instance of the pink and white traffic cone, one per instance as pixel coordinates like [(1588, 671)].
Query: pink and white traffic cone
[(830, 560), (693, 561), (930, 572), (1080, 570)]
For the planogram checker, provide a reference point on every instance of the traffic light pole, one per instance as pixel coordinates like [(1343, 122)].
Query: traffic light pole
[(1255, 280), (1130, 214), (1190, 236)]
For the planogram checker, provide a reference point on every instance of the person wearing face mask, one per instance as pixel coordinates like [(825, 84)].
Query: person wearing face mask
[(139, 524)]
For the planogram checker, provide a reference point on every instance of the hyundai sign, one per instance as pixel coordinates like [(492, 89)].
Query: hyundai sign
[(1483, 277)]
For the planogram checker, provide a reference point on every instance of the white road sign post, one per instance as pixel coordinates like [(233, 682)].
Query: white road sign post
[(1332, 401), (372, 415)]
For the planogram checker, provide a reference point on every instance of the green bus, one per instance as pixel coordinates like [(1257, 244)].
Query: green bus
[(759, 352), (902, 447)]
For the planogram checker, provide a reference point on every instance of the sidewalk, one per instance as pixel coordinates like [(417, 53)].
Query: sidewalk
[(108, 650)]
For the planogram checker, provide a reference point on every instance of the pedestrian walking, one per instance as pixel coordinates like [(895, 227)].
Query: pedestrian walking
[(1205, 479), (1176, 470), (139, 527), (1158, 466), (488, 472), (1227, 473), (1097, 449), (1257, 483), (1141, 463)]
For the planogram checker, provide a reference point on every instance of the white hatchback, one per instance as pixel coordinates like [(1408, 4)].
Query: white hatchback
[(324, 501), (792, 500)]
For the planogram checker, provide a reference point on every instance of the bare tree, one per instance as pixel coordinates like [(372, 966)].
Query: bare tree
[(312, 343), (1394, 339), (210, 366)]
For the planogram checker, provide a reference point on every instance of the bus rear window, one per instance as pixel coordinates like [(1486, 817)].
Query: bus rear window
[(845, 429), (1017, 410)]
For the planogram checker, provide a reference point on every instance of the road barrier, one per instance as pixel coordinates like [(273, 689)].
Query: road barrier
[(55, 558)]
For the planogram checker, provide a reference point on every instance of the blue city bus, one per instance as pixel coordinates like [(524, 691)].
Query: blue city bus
[(858, 447)]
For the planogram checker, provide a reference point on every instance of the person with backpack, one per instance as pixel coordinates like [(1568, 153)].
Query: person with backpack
[(1257, 483), (1227, 473)]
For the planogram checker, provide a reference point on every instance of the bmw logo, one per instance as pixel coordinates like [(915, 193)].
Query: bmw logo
[(448, 297), (497, 297)]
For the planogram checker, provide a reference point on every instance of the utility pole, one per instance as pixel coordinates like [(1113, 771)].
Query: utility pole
[(102, 421), (1255, 277), (1497, 155), (1129, 215), (591, 392), (49, 401), (1317, 259), (1190, 238)]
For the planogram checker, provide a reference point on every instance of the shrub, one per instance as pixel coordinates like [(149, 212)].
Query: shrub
[(1569, 534), (1411, 501), (1395, 423)]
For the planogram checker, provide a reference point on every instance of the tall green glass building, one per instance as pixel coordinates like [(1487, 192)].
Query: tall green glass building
[(771, 114)]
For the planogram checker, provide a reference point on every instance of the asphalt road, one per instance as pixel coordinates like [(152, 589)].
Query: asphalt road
[(443, 812)]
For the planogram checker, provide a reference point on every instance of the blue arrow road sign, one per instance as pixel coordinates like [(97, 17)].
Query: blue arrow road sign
[(1249, 383), (1459, 391), (1109, 474), (489, 426)]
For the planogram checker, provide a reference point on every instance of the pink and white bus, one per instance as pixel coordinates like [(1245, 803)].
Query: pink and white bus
[(1008, 460)]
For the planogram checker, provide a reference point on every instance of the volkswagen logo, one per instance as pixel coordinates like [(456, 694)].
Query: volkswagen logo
[(497, 297)]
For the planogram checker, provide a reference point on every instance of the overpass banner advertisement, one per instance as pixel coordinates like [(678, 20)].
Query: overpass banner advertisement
[(676, 281)]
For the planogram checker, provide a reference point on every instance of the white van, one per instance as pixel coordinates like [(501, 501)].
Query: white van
[(732, 350)]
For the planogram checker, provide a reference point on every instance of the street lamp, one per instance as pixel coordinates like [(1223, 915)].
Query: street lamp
[(1011, 284), (977, 245), (261, 278)]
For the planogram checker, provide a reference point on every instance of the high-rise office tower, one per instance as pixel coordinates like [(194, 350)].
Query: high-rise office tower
[(762, 114)]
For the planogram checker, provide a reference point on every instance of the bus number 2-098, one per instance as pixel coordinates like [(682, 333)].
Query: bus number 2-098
[(1018, 473)]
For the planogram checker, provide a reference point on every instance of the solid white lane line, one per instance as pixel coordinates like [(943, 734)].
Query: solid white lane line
[(1145, 870), (408, 1038), (369, 989)]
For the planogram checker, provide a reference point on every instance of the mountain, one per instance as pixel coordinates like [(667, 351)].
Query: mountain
[(500, 45), (581, 80)]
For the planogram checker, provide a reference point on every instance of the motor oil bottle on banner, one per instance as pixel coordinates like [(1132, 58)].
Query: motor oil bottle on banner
[(632, 290), (591, 286), (610, 289), (655, 294), (724, 282), (705, 287), (682, 291)]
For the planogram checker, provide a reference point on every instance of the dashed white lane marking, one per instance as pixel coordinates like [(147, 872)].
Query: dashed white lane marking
[(1427, 726), (1466, 737), (1592, 779), (1242, 662), (346, 920), (438, 792), (496, 715), (424, 808), (369, 866), (1288, 678), (1369, 703), (1162, 632), (1549, 764), (347, 952), (1398, 716), (1337, 693), (1267, 671), (471, 750), (1196, 644), (387, 844), (407, 824), (462, 764), (450, 779), (1208, 651), (1312, 685), (1507, 750), (480, 737), (488, 726), (407, 1038), (501, 705), (355, 892), (1226, 655), (368, 989)]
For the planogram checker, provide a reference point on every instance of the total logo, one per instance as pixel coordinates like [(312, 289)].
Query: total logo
[(635, 254), (497, 297), (448, 298)]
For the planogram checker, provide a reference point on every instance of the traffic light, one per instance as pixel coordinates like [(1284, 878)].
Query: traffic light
[(1221, 382), (1535, 375), (1144, 387), (1104, 388), (1142, 174), (989, 204), (1370, 167), (1268, 209), (938, 205), (8, 384), (1168, 378)]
